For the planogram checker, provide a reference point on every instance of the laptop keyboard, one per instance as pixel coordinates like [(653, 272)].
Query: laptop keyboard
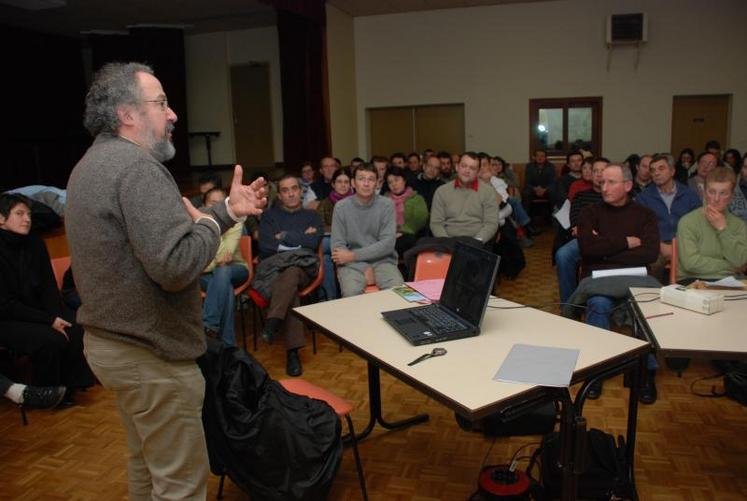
[(437, 319)]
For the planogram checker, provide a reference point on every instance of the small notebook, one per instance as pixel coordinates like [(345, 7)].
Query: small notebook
[(541, 365)]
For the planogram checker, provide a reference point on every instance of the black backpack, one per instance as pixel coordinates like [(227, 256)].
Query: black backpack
[(604, 474), (734, 373)]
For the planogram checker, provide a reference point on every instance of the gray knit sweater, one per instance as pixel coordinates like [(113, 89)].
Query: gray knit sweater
[(138, 255), (367, 230)]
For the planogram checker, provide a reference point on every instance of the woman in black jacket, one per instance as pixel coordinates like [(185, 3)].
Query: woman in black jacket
[(33, 319)]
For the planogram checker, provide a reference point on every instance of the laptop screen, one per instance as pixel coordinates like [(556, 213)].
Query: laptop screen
[(469, 282)]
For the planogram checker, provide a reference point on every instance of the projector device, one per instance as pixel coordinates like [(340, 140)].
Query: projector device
[(707, 302)]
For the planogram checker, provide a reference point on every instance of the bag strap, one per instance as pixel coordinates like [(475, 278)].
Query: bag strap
[(713, 393)]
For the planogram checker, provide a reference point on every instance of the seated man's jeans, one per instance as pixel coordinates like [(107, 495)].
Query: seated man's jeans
[(598, 311), (329, 283), (518, 214), (220, 302), (567, 258)]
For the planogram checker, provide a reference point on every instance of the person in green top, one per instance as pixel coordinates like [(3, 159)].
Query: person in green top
[(410, 209), (712, 242)]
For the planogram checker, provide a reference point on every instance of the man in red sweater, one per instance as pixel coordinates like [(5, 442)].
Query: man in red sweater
[(616, 233)]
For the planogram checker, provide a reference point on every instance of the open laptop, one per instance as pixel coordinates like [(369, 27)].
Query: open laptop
[(467, 288)]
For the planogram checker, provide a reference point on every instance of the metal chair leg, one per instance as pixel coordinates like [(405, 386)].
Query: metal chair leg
[(220, 486), (358, 465), (24, 419)]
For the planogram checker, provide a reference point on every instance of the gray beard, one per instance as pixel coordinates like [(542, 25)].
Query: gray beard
[(163, 150)]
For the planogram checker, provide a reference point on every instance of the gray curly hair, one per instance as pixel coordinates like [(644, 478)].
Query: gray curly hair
[(113, 85)]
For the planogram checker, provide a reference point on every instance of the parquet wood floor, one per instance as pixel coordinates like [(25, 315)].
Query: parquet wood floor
[(689, 448)]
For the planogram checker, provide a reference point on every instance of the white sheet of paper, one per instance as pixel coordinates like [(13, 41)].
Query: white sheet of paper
[(639, 271), (541, 365), (563, 215), (726, 282)]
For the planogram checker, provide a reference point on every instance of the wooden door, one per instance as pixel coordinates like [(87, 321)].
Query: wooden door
[(440, 128), (698, 119), (252, 118), (391, 130)]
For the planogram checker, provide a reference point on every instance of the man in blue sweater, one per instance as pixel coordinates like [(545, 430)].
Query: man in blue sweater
[(285, 228), (670, 201)]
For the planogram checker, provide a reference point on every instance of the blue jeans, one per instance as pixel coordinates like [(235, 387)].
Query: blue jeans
[(329, 283), (566, 262), (598, 309), (518, 214), (219, 305)]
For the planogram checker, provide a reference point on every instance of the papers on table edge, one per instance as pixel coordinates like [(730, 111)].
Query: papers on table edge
[(639, 271), (540, 365), (730, 282), (429, 288)]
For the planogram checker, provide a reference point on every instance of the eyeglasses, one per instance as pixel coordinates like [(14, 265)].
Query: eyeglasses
[(163, 103)]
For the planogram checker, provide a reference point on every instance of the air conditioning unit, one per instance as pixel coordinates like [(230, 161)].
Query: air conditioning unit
[(627, 28)]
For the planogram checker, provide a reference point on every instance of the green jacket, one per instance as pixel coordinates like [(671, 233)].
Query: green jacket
[(704, 252), (416, 215)]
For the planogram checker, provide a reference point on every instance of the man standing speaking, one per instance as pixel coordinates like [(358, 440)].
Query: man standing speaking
[(139, 249)]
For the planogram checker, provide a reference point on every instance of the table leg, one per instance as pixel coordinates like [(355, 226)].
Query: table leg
[(374, 405)]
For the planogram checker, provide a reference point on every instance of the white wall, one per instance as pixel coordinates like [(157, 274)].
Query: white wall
[(495, 58), (208, 60)]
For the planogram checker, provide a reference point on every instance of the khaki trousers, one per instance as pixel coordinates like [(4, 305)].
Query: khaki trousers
[(160, 405)]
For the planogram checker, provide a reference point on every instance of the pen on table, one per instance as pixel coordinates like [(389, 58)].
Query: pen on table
[(661, 315)]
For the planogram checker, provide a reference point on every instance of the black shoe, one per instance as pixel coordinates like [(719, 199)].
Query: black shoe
[(595, 391), (270, 329), (648, 392), (677, 364), (531, 230), (43, 397), (293, 368)]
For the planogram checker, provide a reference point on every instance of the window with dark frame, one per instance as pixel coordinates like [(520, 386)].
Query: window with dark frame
[(561, 125)]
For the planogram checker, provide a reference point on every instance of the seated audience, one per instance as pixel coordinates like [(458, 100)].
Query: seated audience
[(31, 397), (289, 236), (427, 182), (381, 164), (410, 209), (524, 228), (486, 174), (743, 177), (342, 189), (567, 254), (539, 176), (683, 165), (642, 175), (706, 163), (355, 162), (584, 183), (398, 160), (732, 158), (319, 189), (364, 232), (413, 164), (307, 178), (711, 242), (504, 171), (616, 233), (225, 272), (574, 161), (465, 207), (206, 182), (33, 319), (670, 201), (447, 165)]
